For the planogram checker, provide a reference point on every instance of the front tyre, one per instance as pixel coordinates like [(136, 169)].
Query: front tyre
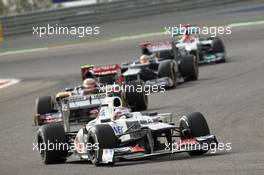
[(44, 105), (52, 143), (168, 69), (101, 137), (189, 67), (194, 125)]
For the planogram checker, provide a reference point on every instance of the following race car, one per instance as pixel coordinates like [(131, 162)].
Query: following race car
[(161, 65), (117, 134), (48, 108), (110, 78)]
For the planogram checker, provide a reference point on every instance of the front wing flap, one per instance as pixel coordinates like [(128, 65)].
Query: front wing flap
[(210, 58), (186, 145)]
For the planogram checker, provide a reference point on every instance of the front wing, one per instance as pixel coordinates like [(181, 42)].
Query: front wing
[(133, 153), (212, 58)]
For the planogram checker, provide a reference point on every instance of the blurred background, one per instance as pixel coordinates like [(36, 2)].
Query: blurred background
[(230, 95), (14, 7), (19, 17)]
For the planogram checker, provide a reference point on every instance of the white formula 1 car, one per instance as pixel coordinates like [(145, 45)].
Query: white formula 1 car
[(117, 134), (207, 50)]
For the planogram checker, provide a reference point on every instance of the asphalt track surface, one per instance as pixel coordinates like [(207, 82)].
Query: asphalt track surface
[(230, 95)]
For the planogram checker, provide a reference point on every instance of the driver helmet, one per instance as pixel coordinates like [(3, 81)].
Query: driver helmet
[(119, 112), (89, 86), (186, 36), (144, 59)]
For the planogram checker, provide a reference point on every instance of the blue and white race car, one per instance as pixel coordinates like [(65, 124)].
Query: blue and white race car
[(117, 134)]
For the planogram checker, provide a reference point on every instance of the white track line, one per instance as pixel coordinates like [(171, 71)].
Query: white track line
[(23, 51), (242, 24), (122, 38), (129, 37)]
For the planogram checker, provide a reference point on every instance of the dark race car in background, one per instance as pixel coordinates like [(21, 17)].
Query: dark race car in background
[(167, 66), (110, 83)]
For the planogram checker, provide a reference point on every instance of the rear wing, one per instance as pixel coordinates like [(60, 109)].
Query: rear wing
[(89, 71), (75, 108), (107, 69), (153, 47), (82, 102)]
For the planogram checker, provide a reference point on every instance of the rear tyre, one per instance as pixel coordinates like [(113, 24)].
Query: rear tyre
[(189, 67), (52, 143), (138, 101), (101, 137), (44, 105), (194, 125), (168, 69)]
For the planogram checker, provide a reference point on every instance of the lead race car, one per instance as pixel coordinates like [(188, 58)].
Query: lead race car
[(206, 49), (117, 134), (186, 39)]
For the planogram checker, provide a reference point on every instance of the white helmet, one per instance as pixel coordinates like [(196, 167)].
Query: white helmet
[(89, 85), (144, 59), (119, 112)]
